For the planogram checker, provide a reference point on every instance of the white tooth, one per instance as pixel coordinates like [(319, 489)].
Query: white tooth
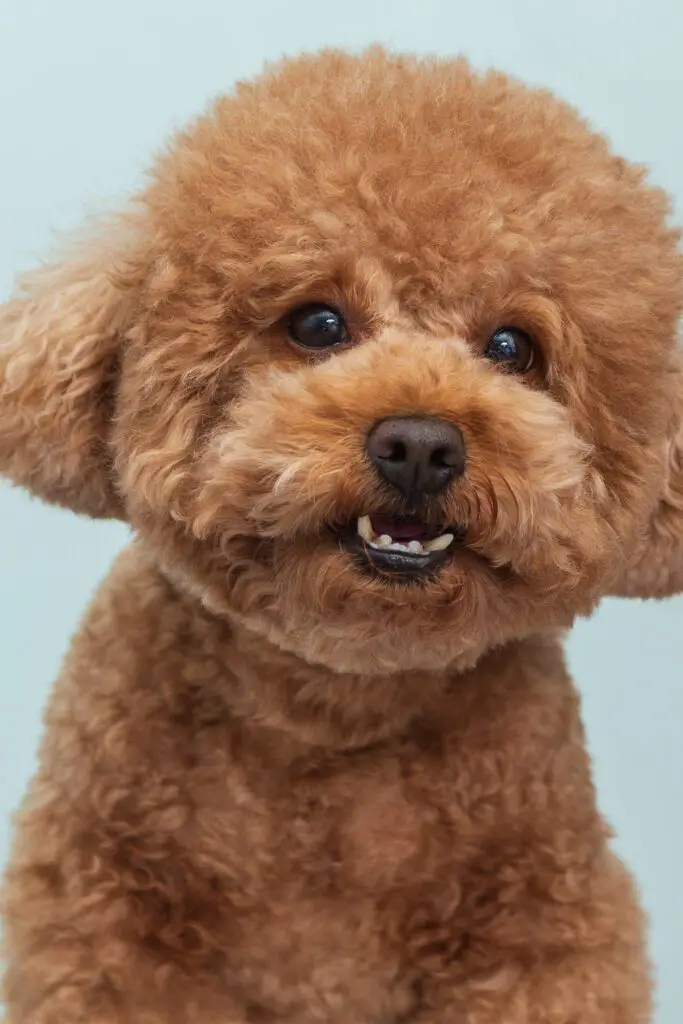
[(415, 547), (397, 546), (439, 543), (365, 528), (384, 541)]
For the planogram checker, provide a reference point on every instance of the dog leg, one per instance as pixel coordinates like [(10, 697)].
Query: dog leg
[(88, 996), (599, 987), (63, 969)]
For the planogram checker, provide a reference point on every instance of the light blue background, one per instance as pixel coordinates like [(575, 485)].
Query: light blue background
[(88, 91)]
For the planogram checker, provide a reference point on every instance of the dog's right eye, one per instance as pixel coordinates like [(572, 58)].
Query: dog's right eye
[(316, 327)]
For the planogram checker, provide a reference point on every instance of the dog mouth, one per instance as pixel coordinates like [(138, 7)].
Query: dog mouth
[(403, 548)]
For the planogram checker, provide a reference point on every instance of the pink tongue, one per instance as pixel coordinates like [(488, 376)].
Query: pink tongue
[(400, 529)]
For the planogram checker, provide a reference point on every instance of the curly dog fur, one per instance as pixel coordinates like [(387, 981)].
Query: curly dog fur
[(274, 786)]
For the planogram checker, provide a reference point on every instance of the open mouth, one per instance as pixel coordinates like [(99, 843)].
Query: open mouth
[(399, 547)]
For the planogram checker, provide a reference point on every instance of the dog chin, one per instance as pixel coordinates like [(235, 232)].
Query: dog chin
[(326, 596), (389, 652), (339, 604)]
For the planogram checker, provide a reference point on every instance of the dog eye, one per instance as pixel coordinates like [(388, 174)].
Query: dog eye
[(316, 326), (512, 349)]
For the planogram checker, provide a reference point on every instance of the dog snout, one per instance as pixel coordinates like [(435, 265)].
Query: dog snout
[(416, 455)]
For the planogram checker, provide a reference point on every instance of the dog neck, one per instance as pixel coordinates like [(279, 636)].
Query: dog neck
[(270, 687), (320, 707)]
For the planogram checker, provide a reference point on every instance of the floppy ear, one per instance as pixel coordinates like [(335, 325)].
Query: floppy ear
[(60, 337), (656, 570)]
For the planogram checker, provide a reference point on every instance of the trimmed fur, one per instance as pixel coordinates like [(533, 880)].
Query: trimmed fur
[(273, 788)]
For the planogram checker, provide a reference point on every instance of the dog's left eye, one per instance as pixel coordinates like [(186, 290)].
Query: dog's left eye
[(511, 349), (317, 326)]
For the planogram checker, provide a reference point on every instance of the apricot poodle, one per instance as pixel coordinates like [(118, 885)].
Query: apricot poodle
[(381, 368)]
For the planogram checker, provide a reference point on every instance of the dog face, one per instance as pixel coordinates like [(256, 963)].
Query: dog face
[(382, 365)]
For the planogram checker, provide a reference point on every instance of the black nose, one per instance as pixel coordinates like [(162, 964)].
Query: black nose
[(417, 455)]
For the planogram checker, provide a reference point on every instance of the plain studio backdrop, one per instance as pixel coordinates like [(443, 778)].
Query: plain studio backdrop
[(88, 92)]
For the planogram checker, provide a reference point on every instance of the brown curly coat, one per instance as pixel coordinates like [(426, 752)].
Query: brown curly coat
[(274, 788)]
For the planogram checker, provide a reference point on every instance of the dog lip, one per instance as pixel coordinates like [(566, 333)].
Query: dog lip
[(398, 566), (393, 565)]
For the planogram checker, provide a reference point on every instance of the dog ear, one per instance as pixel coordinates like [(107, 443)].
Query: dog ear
[(656, 570), (60, 337)]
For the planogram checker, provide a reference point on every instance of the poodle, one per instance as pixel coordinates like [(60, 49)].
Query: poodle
[(380, 365)]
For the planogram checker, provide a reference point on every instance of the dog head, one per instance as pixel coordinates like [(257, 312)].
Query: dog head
[(382, 363)]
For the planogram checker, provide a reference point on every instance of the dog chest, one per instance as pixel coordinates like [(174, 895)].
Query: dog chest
[(328, 889), (327, 884)]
